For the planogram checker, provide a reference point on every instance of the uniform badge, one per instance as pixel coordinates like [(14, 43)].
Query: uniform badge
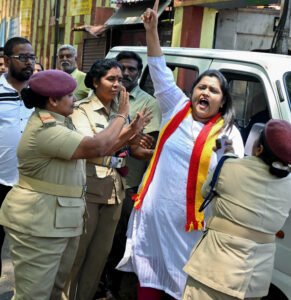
[(47, 119)]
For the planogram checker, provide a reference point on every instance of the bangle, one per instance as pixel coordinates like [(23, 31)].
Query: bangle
[(122, 116)]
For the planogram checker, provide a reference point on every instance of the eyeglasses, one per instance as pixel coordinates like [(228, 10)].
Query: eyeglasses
[(24, 57), (61, 56)]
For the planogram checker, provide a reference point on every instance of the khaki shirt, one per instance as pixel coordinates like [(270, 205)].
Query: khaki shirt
[(248, 195), (44, 153), (104, 185), (81, 90), (138, 99)]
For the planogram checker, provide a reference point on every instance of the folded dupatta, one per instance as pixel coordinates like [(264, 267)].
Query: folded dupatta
[(198, 168)]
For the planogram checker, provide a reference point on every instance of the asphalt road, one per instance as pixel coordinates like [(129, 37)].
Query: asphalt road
[(128, 285), (7, 279)]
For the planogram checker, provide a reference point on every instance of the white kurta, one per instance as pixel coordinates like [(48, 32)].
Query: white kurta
[(158, 246)]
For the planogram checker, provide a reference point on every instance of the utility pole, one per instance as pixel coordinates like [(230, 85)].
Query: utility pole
[(57, 15), (282, 46)]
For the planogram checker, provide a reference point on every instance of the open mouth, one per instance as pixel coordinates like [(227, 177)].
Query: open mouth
[(203, 103)]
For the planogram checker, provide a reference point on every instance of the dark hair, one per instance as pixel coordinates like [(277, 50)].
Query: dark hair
[(8, 47), (130, 54), (41, 66), (32, 99), (99, 69), (269, 157), (227, 111)]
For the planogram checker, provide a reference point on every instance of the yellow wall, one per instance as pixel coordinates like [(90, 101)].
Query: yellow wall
[(42, 24), (208, 27)]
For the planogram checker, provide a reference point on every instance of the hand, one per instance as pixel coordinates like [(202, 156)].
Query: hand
[(228, 146), (150, 17), (144, 140), (141, 120), (93, 30), (225, 148), (123, 102)]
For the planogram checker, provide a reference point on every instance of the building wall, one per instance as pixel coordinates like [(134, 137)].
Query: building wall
[(42, 24), (193, 27), (8, 10), (246, 28)]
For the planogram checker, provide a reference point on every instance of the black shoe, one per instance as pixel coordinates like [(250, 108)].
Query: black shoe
[(101, 291), (110, 295)]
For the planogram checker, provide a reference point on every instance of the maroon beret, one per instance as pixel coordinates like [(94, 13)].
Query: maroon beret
[(52, 83), (278, 138)]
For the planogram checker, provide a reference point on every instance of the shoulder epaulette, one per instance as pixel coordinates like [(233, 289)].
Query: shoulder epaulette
[(47, 119), (80, 102)]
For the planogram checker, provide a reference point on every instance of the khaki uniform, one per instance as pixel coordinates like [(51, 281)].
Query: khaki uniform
[(105, 192), (43, 213), (236, 265), (196, 290)]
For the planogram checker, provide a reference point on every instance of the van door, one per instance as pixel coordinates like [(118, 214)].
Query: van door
[(185, 71), (254, 97), (256, 100)]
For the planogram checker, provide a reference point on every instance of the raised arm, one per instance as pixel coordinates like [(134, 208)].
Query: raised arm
[(102, 143), (167, 93), (150, 20)]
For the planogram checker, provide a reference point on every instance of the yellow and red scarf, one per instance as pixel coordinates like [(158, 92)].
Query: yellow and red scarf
[(198, 168)]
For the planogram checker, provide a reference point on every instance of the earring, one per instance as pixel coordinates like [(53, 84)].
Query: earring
[(95, 86)]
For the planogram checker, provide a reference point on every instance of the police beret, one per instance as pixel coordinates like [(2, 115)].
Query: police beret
[(52, 83), (278, 138)]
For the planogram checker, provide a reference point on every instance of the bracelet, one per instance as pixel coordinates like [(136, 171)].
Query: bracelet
[(122, 116)]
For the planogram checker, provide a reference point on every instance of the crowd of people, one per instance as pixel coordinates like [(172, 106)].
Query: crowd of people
[(77, 149)]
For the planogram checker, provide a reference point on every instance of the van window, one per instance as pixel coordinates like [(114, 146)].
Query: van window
[(287, 81), (249, 101), (146, 82), (185, 78)]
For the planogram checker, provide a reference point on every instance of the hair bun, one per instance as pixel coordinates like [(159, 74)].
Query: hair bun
[(32, 99), (89, 81), (26, 97)]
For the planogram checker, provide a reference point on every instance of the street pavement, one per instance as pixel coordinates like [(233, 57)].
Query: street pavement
[(128, 285), (7, 279)]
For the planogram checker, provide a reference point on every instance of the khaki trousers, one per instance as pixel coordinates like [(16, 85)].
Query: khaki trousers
[(41, 264), (94, 248), (195, 290)]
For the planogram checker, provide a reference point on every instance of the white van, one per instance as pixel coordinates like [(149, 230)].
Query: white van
[(261, 90)]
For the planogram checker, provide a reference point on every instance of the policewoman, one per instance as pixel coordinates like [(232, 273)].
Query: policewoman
[(235, 257), (105, 186), (43, 214)]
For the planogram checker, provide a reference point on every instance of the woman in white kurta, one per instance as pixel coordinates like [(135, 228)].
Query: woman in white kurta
[(252, 201), (158, 246)]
